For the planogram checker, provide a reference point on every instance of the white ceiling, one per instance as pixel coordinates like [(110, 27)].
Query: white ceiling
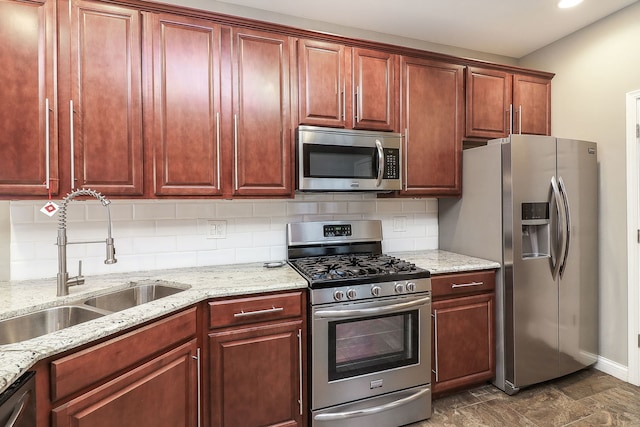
[(511, 28)]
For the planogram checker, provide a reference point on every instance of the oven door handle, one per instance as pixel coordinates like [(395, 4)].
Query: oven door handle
[(371, 411), (328, 314)]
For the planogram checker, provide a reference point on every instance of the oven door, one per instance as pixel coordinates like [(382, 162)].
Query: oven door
[(365, 349)]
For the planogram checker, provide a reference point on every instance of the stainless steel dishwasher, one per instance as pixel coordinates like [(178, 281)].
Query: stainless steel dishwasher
[(18, 403)]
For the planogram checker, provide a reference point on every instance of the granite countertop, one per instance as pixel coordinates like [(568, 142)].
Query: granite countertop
[(201, 283)]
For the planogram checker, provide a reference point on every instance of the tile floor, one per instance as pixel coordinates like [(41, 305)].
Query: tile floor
[(586, 398)]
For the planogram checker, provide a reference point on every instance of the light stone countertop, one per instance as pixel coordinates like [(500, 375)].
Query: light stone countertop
[(201, 283)]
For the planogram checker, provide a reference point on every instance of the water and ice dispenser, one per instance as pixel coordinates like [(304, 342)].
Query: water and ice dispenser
[(535, 230)]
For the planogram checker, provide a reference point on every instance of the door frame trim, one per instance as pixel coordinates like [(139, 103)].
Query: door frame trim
[(633, 236)]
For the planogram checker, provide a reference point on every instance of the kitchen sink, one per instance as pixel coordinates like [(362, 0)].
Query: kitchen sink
[(42, 322), (131, 297)]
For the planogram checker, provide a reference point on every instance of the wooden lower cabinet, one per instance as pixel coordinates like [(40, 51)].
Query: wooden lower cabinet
[(255, 369), (162, 392), (463, 338), (254, 375), (147, 377)]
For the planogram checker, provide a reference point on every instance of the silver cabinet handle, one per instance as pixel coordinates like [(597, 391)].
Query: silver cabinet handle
[(235, 148), (218, 148), (47, 144), (355, 107), (199, 385), (72, 149), (405, 184), (380, 162), (435, 342), (300, 369), (520, 119), (258, 312), (466, 285), (374, 410), (371, 311)]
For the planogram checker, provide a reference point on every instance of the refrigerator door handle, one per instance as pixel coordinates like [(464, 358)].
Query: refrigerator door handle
[(555, 264), (567, 224)]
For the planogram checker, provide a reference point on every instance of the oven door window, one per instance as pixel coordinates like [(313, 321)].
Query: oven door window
[(372, 344), (334, 161)]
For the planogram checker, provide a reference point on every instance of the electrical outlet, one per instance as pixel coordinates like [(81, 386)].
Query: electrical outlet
[(399, 223), (216, 229)]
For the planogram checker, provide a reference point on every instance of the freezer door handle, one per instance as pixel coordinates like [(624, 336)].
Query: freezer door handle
[(567, 223), (555, 263)]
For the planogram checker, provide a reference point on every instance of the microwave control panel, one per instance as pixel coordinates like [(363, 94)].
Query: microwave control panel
[(391, 163)]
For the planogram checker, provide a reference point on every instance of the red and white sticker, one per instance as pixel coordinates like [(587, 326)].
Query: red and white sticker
[(49, 209)]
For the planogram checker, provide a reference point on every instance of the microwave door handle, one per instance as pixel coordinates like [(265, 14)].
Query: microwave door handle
[(380, 162)]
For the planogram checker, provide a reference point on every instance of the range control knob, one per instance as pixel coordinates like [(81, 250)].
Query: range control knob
[(338, 295), (411, 287), (400, 288), (375, 291), (351, 293)]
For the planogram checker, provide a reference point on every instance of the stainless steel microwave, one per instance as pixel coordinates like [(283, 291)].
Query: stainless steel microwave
[(331, 159)]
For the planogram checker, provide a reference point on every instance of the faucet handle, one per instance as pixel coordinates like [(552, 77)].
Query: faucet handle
[(79, 279), (111, 252)]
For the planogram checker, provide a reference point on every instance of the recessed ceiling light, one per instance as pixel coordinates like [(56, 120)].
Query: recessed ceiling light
[(563, 4)]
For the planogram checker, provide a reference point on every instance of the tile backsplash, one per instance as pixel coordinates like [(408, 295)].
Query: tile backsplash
[(159, 234)]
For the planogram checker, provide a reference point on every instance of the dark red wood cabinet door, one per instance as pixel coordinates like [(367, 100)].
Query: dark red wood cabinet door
[(254, 376), (322, 70), (488, 102), (532, 101), (432, 121), (186, 106), (374, 90), (28, 130), (262, 136), (162, 392), (106, 91)]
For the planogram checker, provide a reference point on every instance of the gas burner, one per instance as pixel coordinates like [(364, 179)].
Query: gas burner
[(325, 269)]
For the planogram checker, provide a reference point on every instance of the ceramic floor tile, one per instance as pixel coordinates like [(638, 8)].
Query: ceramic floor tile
[(584, 399)]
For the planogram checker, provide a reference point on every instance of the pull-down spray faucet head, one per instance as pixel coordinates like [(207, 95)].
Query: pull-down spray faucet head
[(63, 276)]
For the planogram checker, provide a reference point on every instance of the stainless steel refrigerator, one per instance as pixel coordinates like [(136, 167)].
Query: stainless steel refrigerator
[(531, 204)]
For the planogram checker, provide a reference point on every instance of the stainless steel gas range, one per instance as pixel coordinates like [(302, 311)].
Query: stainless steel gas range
[(370, 326)]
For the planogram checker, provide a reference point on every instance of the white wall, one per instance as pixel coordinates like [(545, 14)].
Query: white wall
[(159, 234), (595, 68)]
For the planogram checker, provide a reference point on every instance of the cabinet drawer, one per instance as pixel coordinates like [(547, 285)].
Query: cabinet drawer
[(94, 364), (463, 283), (239, 311)]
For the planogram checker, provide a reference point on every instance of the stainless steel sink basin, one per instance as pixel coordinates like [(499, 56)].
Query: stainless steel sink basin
[(42, 322), (131, 297)]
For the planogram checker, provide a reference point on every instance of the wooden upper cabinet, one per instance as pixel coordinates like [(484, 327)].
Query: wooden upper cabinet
[(185, 123), (346, 87), (488, 99), (532, 98), (106, 96), (262, 136), (432, 120), (322, 69), (28, 131), (374, 86), (500, 103)]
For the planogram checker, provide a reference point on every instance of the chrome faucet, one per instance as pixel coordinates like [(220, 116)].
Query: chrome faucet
[(64, 281)]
